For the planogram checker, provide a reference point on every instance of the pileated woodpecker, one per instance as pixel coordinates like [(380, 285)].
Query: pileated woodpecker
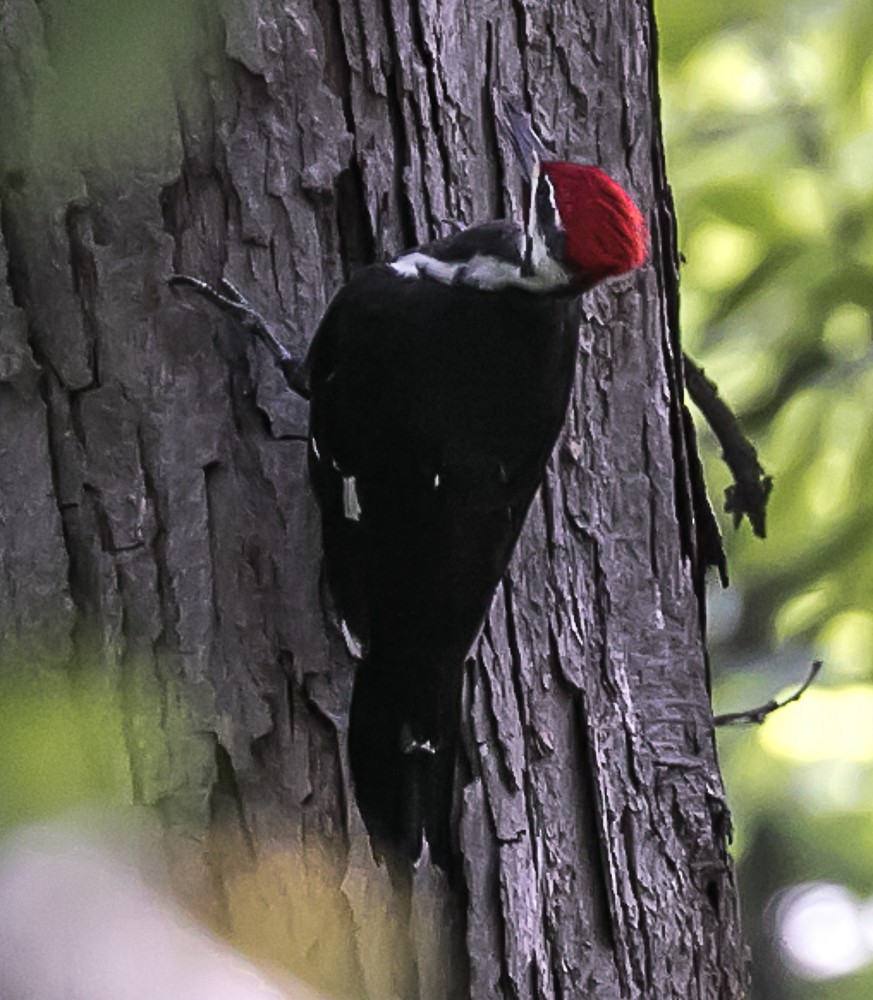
[(438, 384)]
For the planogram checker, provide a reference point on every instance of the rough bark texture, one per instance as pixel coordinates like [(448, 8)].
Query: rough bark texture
[(155, 515)]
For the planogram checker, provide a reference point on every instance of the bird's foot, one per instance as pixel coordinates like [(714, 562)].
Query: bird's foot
[(231, 301)]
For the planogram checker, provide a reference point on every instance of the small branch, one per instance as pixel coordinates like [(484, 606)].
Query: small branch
[(755, 716), (233, 303), (752, 486)]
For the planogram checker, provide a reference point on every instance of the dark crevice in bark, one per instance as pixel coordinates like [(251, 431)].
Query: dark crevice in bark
[(275, 271), (249, 419), (337, 69), (638, 944), (347, 209), (592, 823), (79, 552), (394, 95), (437, 101), (528, 780), (653, 501), (520, 13), (173, 205), (547, 494), (556, 974), (515, 674), (181, 200), (18, 282), (91, 497), (419, 131), (557, 50), (489, 123), (626, 127), (537, 987), (357, 242), (49, 384), (77, 220), (713, 894), (76, 424), (170, 200), (600, 624), (210, 473), (16, 270)]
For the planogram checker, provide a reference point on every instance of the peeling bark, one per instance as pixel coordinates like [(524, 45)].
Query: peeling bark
[(155, 516)]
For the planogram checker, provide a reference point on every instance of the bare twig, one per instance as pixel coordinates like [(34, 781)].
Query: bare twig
[(751, 487), (231, 301), (755, 716)]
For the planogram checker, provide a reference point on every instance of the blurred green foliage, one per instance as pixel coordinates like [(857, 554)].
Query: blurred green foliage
[(62, 746), (768, 110), (95, 84)]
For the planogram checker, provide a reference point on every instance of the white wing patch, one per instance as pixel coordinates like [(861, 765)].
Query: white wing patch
[(491, 274), (413, 265), (353, 643), (351, 506)]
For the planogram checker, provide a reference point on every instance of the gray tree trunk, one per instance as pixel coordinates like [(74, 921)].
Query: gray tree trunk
[(155, 516)]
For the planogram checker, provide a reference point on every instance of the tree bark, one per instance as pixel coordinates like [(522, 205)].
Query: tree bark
[(156, 520)]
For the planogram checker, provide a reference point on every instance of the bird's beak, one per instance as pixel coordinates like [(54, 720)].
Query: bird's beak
[(515, 124)]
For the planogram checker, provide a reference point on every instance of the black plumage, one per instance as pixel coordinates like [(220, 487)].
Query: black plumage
[(434, 408)]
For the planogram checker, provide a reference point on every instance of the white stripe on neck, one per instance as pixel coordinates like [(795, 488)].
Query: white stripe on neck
[(491, 274)]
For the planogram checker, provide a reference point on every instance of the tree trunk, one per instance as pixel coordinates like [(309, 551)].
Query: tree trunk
[(156, 520)]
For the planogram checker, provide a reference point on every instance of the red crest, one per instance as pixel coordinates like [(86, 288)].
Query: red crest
[(604, 230)]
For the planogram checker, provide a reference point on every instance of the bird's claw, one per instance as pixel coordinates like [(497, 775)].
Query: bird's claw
[(232, 293), (231, 301)]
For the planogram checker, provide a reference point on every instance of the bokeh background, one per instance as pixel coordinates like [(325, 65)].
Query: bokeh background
[(768, 108)]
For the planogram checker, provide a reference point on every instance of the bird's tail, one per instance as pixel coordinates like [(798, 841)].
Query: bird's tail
[(402, 742)]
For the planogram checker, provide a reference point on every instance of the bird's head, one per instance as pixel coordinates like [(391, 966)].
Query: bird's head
[(585, 220), (578, 217)]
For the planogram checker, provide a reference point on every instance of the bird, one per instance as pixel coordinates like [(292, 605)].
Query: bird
[(438, 384)]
